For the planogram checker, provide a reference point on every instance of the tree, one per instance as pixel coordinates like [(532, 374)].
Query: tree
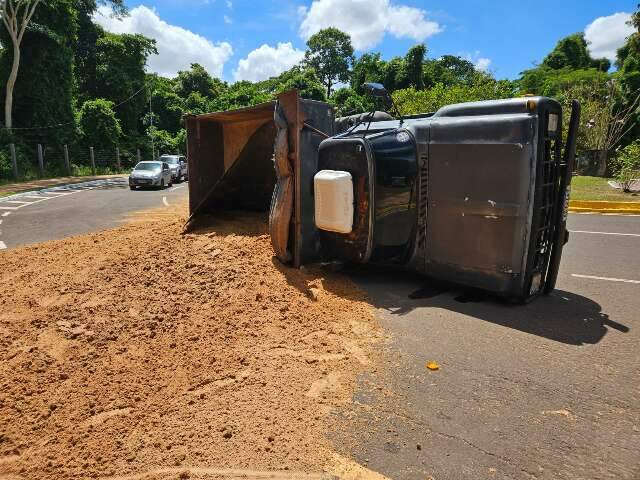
[(551, 83), (410, 74), (330, 54), (164, 142), (412, 101), (196, 104), (368, 68), (304, 80), (348, 102), (16, 16), (448, 70), (41, 98), (392, 72), (628, 60), (605, 121), (98, 123), (627, 166), (572, 52), (197, 79), (85, 61), (240, 94), (569, 63), (121, 77), (167, 106)]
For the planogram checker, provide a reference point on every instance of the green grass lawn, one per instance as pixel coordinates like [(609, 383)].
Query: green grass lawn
[(596, 188)]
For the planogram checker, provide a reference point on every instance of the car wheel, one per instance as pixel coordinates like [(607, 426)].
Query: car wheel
[(132, 187), (170, 184), (161, 184)]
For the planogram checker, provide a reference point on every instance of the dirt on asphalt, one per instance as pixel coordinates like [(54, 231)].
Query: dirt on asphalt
[(142, 352)]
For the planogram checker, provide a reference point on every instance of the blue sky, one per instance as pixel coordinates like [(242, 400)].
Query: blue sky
[(504, 36)]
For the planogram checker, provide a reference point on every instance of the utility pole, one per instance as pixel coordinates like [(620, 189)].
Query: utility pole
[(40, 160), (67, 165), (93, 161)]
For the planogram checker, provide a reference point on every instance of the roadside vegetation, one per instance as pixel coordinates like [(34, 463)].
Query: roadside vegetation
[(102, 97)]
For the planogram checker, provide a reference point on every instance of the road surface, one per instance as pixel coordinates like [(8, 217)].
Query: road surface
[(59, 212), (550, 390)]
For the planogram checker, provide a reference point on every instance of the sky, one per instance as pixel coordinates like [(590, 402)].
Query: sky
[(256, 39)]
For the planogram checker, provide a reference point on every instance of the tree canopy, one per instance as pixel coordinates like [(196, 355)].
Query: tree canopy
[(102, 95), (330, 54), (98, 124)]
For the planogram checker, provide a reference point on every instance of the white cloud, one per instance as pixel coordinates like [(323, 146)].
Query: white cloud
[(482, 64), (267, 61), (367, 20), (606, 34), (177, 47), (227, 19)]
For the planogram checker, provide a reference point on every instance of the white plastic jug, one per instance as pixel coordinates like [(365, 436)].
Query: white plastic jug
[(333, 193)]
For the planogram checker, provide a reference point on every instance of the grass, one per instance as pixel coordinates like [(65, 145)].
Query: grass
[(597, 188)]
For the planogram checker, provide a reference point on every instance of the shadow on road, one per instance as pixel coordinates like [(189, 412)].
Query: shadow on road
[(562, 316)]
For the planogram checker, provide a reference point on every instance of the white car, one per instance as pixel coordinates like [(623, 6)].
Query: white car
[(151, 174), (178, 166)]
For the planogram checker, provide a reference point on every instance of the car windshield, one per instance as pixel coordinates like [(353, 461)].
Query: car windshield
[(148, 166), (171, 160)]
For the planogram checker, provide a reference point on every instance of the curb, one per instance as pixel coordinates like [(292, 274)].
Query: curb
[(630, 208)]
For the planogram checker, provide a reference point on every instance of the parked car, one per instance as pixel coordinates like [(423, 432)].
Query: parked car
[(178, 166), (151, 174)]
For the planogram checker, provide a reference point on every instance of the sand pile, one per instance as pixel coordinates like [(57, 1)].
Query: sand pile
[(140, 352)]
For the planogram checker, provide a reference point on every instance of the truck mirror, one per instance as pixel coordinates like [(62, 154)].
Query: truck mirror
[(376, 90)]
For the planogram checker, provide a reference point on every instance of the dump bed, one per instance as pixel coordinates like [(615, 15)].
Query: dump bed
[(231, 164)]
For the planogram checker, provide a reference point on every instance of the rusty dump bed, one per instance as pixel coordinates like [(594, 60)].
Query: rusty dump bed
[(231, 166)]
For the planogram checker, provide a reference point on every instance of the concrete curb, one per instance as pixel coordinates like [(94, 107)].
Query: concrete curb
[(631, 208)]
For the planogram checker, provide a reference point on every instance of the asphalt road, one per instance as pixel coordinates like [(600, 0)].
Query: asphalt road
[(63, 211), (550, 390)]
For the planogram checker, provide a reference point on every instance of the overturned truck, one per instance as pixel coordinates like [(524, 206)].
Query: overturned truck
[(474, 194)]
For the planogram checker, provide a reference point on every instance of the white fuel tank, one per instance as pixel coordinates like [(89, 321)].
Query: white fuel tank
[(333, 193)]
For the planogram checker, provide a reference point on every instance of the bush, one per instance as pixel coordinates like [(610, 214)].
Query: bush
[(627, 165), (412, 101), (6, 170)]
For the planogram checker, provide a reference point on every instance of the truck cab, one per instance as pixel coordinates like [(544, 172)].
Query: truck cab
[(474, 194)]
